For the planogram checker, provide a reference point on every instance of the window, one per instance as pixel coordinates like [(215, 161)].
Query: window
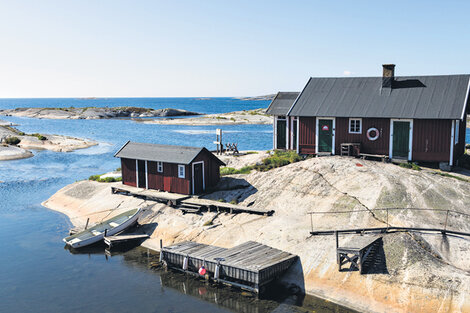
[(181, 171), (355, 126), (160, 167)]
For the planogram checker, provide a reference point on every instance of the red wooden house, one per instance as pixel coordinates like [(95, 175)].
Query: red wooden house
[(415, 118), (179, 169)]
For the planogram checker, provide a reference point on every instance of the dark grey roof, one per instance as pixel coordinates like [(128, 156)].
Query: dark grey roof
[(162, 153), (420, 97), (281, 103)]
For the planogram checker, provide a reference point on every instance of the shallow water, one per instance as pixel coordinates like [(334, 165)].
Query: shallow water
[(38, 275)]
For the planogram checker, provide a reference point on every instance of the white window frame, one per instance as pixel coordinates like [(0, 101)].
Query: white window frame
[(183, 174), (457, 130), (159, 166), (360, 126)]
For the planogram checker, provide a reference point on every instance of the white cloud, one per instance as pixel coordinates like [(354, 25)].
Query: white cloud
[(347, 73)]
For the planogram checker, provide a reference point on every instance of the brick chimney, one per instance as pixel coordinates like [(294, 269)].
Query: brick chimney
[(388, 75)]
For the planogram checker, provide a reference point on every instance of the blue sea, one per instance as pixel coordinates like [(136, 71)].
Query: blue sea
[(38, 275)]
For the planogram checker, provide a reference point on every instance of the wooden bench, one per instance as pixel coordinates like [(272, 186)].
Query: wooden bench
[(356, 251), (384, 158)]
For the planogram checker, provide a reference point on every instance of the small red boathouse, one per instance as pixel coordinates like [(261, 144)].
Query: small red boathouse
[(179, 169)]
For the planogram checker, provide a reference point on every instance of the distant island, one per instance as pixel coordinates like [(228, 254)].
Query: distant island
[(256, 116), (257, 98), (94, 112)]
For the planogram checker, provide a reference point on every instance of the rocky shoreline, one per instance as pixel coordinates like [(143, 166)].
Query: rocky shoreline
[(94, 112), (257, 116), (11, 150), (419, 272)]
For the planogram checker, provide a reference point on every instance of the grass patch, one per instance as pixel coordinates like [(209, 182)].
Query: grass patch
[(104, 180), (251, 152), (39, 136), (453, 176), (278, 159), (234, 201), (412, 166), (12, 140)]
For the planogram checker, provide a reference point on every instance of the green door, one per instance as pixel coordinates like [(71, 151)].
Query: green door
[(401, 139), (281, 134), (325, 135)]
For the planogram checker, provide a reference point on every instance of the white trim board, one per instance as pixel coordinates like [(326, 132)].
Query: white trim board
[(203, 175), (452, 143)]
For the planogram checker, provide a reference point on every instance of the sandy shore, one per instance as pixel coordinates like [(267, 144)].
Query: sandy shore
[(418, 272), (257, 116)]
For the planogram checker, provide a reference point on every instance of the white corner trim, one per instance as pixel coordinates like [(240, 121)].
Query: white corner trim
[(465, 101), (452, 136), (298, 135), (146, 176), (137, 173)]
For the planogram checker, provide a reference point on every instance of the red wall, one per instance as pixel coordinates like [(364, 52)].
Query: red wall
[(378, 146), (171, 181), (306, 135), (431, 140), (211, 168)]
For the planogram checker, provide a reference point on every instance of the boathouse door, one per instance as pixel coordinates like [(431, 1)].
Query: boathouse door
[(281, 134), (198, 177), (325, 135), (401, 139), (141, 179)]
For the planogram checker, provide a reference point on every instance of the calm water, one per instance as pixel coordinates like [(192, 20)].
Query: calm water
[(38, 275)]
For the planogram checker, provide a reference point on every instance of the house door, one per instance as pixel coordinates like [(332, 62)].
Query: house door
[(198, 179), (281, 134), (141, 174), (325, 135), (401, 139)]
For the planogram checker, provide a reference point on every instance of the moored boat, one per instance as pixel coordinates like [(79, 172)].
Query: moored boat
[(111, 227)]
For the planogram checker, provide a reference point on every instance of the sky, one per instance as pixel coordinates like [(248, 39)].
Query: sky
[(138, 48)]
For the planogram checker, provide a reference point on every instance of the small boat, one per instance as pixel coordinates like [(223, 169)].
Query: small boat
[(96, 233)]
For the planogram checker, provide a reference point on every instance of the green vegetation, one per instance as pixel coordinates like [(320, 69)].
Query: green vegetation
[(251, 152), (464, 161), (453, 176), (278, 159), (412, 166), (104, 180), (39, 136), (234, 201), (118, 169), (21, 133), (12, 140)]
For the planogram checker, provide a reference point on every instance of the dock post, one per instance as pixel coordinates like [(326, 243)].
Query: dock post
[(445, 225), (161, 252), (217, 270), (105, 232), (86, 225), (337, 245)]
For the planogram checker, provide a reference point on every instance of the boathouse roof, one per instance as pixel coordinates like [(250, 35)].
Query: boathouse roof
[(281, 103), (161, 153), (418, 97)]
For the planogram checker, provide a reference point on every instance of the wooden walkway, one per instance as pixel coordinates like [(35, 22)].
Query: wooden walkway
[(187, 204), (387, 229), (356, 251), (118, 239), (249, 266)]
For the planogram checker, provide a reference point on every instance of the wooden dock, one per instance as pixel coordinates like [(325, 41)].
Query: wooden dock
[(249, 266), (188, 204), (119, 239), (356, 251)]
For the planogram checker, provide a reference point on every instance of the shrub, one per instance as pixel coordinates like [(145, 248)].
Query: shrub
[(464, 161), (230, 170), (412, 166), (39, 136), (104, 180), (12, 140), (21, 134), (94, 177), (234, 201)]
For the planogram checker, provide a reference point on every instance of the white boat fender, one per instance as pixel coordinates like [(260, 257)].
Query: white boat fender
[(185, 263), (217, 271)]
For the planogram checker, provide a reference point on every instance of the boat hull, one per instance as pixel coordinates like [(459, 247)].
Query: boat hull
[(109, 232)]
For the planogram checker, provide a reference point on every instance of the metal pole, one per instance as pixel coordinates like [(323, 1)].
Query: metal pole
[(87, 220), (447, 215)]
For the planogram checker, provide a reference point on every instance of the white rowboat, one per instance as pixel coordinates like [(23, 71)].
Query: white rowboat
[(96, 233)]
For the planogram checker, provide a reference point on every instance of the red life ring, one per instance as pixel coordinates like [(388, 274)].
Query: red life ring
[(376, 136), (202, 271)]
